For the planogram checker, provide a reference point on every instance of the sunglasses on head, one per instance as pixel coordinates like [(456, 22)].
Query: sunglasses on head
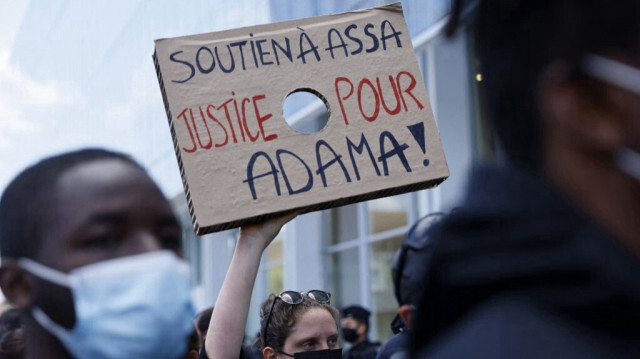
[(292, 298)]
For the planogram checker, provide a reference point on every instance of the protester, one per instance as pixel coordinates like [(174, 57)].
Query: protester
[(407, 270), (5, 305), (355, 330), (90, 257), (11, 335), (194, 346), (293, 324), (12, 344), (9, 320), (202, 323), (543, 258)]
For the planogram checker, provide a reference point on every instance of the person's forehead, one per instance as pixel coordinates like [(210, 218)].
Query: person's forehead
[(101, 184), (95, 177), (100, 187), (349, 320), (315, 322)]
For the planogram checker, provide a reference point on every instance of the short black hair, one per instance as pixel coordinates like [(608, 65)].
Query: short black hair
[(204, 318), (516, 40), (413, 258), (27, 199), (10, 319), (357, 312)]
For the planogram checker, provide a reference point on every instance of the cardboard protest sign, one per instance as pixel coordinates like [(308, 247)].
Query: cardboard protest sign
[(241, 162)]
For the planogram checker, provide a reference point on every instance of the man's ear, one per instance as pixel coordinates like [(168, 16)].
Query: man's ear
[(568, 111), (269, 353), (362, 329), (16, 284), (406, 314)]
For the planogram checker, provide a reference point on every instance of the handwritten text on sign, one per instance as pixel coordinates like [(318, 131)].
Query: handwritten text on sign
[(349, 40), (241, 161)]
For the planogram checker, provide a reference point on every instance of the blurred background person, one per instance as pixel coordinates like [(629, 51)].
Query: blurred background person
[(194, 346), (543, 258), (201, 322), (355, 330), (407, 270), (12, 344), (11, 335), (10, 320)]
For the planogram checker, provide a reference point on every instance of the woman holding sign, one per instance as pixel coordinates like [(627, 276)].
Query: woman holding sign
[(292, 324)]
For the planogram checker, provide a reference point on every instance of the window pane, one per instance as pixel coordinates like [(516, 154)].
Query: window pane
[(191, 245), (275, 283), (344, 270), (273, 254), (387, 213), (421, 14), (384, 304), (344, 223), (274, 266)]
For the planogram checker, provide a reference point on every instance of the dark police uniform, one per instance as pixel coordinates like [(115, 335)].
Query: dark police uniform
[(364, 350)]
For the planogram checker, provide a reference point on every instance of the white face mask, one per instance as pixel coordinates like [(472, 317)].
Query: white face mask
[(627, 77), (628, 161), (130, 307)]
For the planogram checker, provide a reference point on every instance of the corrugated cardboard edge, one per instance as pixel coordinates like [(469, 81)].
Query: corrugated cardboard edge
[(324, 205), (176, 147), (393, 7)]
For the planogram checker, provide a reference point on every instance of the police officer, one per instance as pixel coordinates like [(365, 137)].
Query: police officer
[(355, 330)]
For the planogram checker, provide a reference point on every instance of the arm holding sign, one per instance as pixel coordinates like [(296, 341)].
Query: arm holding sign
[(227, 327)]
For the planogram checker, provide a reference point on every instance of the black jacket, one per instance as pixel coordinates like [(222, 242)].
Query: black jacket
[(519, 272), (397, 347), (364, 350)]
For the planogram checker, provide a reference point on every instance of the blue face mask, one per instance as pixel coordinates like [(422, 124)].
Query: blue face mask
[(131, 307), (627, 77)]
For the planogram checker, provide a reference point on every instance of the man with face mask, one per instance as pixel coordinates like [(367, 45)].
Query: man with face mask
[(407, 270), (91, 257), (355, 330), (542, 260)]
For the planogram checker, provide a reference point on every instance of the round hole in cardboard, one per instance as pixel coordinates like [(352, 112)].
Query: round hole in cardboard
[(305, 110)]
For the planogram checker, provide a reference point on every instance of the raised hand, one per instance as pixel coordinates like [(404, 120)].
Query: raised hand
[(263, 233)]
